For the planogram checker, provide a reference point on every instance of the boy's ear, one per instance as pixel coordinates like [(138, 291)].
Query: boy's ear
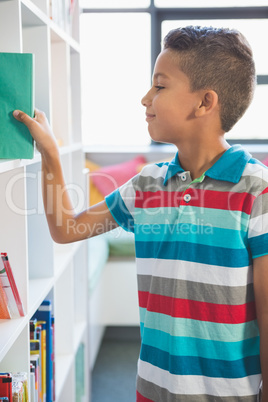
[(208, 103)]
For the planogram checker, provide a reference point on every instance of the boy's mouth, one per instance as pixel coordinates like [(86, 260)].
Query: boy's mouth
[(149, 116)]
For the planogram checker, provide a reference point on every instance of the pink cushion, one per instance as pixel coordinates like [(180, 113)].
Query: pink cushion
[(108, 178), (265, 161)]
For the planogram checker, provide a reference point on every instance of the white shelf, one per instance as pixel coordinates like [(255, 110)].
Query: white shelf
[(64, 364), (12, 330), (63, 254), (11, 164), (80, 331), (33, 16), (66, 361), (42, 269), (38, 290), (57, 34)]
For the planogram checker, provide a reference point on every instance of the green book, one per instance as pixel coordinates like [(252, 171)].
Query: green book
[(16, 92)]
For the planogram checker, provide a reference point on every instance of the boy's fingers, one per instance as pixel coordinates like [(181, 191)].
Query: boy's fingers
[(39, 116)]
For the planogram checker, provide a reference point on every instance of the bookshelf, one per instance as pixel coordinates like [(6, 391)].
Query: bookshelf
[(43, 269)]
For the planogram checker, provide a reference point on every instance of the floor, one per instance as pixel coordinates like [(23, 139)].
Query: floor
[(114, 374)]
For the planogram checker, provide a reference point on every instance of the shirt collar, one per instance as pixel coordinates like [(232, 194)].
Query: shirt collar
[(229, 167)]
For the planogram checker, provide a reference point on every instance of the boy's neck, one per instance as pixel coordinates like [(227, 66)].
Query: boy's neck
[(198, 157)]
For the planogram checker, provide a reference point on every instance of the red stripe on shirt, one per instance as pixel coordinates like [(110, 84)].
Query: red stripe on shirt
[(196, 310), (264, 191), (150, 199), (199, 198), (140, 398)]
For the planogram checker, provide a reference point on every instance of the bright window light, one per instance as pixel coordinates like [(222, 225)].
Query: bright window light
[(253, 125), (115, 55), (210, 3)]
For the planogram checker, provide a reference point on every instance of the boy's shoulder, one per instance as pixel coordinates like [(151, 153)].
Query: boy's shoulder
[(257, 169), (155, 169)]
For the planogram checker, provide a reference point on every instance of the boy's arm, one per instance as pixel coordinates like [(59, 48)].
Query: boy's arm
[(64, 224), (260, 273)]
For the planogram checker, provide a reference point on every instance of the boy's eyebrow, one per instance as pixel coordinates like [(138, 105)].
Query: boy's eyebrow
[(162, 75)]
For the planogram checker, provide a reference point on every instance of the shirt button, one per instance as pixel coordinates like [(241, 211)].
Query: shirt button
[(183, 177), (187, 197)]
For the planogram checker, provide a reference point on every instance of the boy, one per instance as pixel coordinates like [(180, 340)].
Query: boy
[(200, 225)]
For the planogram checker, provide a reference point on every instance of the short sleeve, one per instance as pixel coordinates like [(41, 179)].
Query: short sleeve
[(258, 226), (121, 203)]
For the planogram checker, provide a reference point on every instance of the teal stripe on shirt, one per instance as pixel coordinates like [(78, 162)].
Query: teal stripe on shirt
[(192, 365), (198, 329), (119, 210), (258, 245), (182, 250), (206, 235), (220, 218), (185, 346)]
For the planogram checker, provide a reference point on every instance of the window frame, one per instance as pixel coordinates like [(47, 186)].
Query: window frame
[(160, 14)]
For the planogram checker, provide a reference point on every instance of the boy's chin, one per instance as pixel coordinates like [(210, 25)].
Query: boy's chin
[(158, 139)]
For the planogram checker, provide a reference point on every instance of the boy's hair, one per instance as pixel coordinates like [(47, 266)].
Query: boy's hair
[(217, 59)]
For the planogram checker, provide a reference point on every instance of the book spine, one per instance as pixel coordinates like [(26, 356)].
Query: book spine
[(42, 326), (4, 310), (33, 324), (32, 84), (6, 385), (21, 379), (13, 284), (35, 361), (32, 383), (11, 303), (53, 359), (43, 313)]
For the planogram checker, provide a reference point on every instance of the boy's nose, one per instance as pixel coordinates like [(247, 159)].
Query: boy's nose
[(145, 100)]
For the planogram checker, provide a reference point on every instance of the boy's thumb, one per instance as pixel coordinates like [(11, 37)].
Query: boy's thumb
[(23, 117)]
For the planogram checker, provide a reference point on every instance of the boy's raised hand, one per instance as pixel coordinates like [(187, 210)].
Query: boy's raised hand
[(40, 131), (63, 221)]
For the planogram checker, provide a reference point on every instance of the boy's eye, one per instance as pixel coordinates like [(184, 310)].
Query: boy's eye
[(158, 87)]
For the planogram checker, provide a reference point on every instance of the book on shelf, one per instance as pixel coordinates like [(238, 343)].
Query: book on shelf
[(38, 338), (32, 391), (44, 331), (6, 385), (16, 92), (14, 387), (61, 12), (35, 360), (41, 335), (53, 358), (4, 311), (20, 386), (11, 303)]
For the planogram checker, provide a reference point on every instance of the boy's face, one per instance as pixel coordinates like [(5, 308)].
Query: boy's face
[(170, 104)]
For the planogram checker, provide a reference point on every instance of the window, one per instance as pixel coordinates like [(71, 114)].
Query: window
[(115, 76), (119, 48), (209, 3)]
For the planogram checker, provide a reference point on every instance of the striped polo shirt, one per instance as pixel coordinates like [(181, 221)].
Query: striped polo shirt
[(195, 241)]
